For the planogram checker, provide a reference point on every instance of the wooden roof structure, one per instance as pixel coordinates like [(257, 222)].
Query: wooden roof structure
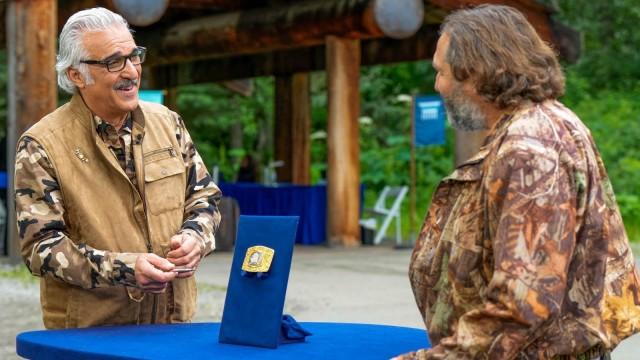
[(199, 41)]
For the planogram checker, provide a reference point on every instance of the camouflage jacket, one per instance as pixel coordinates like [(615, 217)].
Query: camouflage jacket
[(523, 253), (40, 210)]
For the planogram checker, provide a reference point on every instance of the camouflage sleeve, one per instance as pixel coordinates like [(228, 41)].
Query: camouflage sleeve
[(45, 246), (414, 355), (201, 214), (531, 208)]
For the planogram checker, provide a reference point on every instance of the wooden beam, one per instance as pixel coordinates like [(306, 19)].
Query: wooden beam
[(225, 5), (379, 51), (293, 128), (32, 89), (343, 149), (304, 23)]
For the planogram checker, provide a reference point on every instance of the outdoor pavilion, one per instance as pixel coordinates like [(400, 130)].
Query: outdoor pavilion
[(242, 39)]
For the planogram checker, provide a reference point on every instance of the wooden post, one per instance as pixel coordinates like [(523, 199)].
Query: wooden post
[(293, 128), (343, 173), (32, 88), (412, 176), (467, 144), (171, 98)]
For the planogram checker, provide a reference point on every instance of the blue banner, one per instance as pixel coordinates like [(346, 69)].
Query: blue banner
[(156, 96), (429, 118)]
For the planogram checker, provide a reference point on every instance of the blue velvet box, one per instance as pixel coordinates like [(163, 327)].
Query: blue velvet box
[(253, 307)]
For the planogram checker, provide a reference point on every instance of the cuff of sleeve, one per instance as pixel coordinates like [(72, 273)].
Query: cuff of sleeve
[(206, 246), (123, 268), (415, 355)]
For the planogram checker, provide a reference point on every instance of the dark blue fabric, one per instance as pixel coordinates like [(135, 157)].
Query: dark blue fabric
[(291, 331), (200, 341), (307, 202), (253, 307)]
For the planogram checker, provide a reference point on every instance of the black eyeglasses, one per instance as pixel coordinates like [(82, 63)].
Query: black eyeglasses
[(118, 63)]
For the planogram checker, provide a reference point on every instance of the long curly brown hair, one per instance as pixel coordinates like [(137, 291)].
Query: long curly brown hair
[(496, 47)]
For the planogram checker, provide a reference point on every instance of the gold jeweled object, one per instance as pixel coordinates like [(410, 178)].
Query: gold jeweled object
[(258, 259)]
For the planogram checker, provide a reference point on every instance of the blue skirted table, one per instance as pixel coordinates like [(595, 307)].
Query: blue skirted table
[(307, 202), (200, 341)]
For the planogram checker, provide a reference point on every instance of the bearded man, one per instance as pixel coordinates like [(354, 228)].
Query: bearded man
[(523, 253)]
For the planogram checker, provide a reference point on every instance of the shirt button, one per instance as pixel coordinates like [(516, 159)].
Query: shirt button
[(163, 172)]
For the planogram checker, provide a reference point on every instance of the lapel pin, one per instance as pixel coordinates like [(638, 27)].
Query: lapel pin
[(80, 155)]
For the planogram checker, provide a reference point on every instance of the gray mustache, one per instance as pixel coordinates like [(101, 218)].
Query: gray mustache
[(125, 83)]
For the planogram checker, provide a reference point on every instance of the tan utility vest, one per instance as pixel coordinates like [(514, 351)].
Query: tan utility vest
[(104, 210)]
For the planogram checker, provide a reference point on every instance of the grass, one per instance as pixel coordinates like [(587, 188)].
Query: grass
[(17, 272), (204, 287), (635, 249)]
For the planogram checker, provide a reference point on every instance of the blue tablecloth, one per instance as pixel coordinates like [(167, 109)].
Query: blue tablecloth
[(308, 202), (3, 179), (200, 341)]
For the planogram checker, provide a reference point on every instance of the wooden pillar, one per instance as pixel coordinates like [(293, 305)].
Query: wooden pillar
[(343, 172), (32, 88), (467, 144), (293, 128), (171, 98)]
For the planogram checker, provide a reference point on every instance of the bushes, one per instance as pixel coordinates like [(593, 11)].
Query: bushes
[(614, 119)]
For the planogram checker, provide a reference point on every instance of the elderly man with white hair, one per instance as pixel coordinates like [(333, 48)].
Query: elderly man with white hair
[(115, 207)]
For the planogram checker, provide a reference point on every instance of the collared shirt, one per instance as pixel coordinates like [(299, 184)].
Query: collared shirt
[(523, 253), (119, 142), (41, 213)]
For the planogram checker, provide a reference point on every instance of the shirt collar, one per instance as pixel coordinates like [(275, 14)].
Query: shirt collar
[(107, 131)]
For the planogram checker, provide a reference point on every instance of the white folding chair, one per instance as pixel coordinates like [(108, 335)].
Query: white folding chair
[(392, 195)]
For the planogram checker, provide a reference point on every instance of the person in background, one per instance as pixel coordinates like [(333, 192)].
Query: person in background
[(115, 208), (247, 171), (523, 253)]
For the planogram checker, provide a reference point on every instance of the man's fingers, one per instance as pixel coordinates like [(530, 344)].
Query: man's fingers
[(186, 246), (152, 268), (177, 253), (160, 263), (176, 241)]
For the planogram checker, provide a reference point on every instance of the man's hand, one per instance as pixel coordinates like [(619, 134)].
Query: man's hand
[(153, 273), (185, 253)]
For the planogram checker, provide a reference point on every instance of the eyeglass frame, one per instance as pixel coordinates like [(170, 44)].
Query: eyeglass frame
[(140, 51)]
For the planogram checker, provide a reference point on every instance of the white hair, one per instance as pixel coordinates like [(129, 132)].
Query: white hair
[(71, 48)]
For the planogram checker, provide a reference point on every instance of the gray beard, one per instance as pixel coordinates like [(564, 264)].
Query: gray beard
[(463, 114)]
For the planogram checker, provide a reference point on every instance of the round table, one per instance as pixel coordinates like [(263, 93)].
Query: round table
[(200, 341)]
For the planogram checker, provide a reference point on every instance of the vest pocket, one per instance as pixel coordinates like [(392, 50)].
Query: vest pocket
[(101, 306), (164, 185)]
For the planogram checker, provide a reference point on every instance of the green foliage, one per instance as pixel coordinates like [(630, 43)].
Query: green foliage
[(18, 272), (385, 126), (614, 119), (610, 57), (210, 111)]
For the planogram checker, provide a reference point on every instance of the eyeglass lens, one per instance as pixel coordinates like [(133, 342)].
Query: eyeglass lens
[(136, 58)]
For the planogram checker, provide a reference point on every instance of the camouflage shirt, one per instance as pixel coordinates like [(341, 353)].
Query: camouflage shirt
[(41, 222), (523, 253), (119, 142)]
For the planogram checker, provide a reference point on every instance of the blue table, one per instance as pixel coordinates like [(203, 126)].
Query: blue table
[(200, 341), (307, 202)]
